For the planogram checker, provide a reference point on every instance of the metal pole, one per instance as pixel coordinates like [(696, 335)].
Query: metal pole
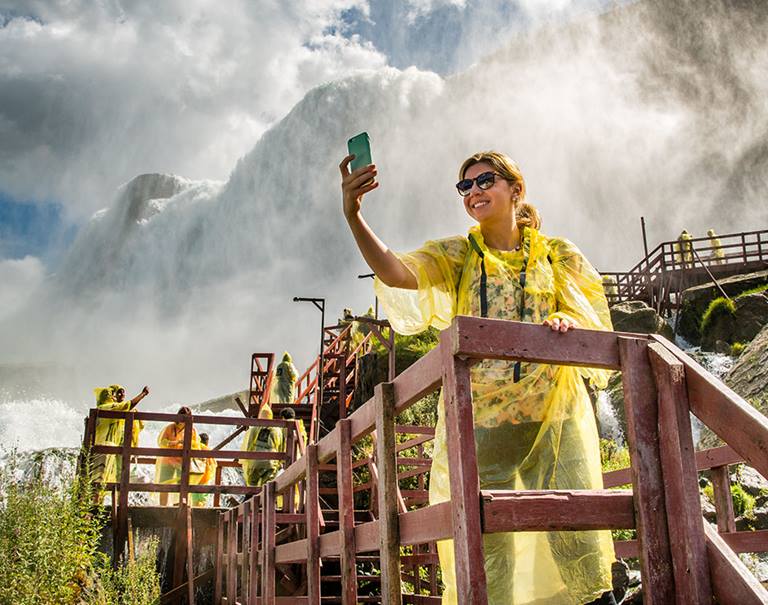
[(645, 239), (375, 298), (320, 304)]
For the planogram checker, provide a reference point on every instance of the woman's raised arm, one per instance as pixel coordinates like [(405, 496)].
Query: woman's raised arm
[(387, 267)]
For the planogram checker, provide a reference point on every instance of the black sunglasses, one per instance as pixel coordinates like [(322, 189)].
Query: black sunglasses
[(484, 181)]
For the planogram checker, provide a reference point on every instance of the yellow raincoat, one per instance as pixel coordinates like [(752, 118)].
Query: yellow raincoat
[(535, 433), (209, 465), (284, 389), (262, 439), (109, 431)]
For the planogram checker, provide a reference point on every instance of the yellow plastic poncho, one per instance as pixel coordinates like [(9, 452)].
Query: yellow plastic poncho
[(537, 433), (204, 478), (284, 389), (262, 439), (109, 431), (168, 468)]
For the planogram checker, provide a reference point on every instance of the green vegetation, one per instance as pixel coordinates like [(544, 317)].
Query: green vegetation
[(720, 307), (755, 290), (743, 503), (49, 548), (737, 348)]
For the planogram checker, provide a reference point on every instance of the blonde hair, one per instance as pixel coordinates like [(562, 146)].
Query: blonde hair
[(526, 215), (501, 163)]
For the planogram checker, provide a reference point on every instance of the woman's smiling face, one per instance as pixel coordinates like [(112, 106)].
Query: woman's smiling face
[(488, 204)]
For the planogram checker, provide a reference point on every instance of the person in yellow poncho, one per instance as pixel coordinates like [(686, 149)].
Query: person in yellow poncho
[(534, 425), (284, 389), (168, 468), (109, 431), (262, 439), (209, 465), (717, 255)]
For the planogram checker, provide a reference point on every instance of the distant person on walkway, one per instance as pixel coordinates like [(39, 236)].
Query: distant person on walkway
[(168, 468), (717, 256), (284, 389), (206, 477), (109, 431), (686, 247), (534, 424), (262, 439)]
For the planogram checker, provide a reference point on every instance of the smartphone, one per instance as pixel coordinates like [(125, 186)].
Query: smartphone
[(359, 146)]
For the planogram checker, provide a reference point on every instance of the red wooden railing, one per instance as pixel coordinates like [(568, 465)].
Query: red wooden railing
[(682, 558)]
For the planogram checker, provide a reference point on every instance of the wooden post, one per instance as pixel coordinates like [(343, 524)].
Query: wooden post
[(254, 567), (643, 440), (313, 526), (125, 478), (244, 567), (189, 551), (346, 513), (268, 544), (685, 522), (391, 356), (219, 561), (342, 360), (389, 532), (464, 479), (232, 556), (721, 489)]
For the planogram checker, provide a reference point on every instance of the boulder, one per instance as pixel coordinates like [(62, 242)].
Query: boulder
[(746, 321), (636, 316), (697, 299), (749, 375)]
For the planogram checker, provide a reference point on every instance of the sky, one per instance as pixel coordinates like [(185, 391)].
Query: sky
[(655, 108)]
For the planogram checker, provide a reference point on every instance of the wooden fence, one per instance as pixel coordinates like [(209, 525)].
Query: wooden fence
[(682, 558)]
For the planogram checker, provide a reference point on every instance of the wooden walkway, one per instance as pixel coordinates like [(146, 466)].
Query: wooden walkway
[(660, 278)]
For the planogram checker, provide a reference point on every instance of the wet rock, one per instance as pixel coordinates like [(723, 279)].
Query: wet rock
[(751, 482), (697, 299), (620, 579), (636, 316), (749, 375), (748, 318), (708, 509)]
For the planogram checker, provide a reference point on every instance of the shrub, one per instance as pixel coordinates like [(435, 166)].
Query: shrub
[(743, 503), (49, 540), (737, 348)]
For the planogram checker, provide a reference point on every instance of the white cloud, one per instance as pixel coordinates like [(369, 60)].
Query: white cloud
[(19, 278), (92, 94)]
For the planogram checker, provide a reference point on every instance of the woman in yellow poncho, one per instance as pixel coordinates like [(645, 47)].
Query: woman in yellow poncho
[(534, 426), (109, 431), (168, 468)]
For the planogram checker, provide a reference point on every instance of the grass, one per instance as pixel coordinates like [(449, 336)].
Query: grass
[(49, 548), (755, 290), (719, 307)]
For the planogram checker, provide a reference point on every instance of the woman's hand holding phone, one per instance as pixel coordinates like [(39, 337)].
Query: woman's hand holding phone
[(355, 184)]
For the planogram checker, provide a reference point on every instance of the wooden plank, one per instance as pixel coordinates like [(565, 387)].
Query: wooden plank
[(125, 478), (313, 525), (681, 486), (626, 549), (388, 494), (418, 380), (483, 338), (246, 549), (747, 541), (291, 475), (557, 510), (291, 552), (327, 446), (732, 582), (367, 537), (464, 479), (732, 418), (330, 544), (426, 524), (721, 489), (643, 440), (346, 513), (268, 544), (217, 589)]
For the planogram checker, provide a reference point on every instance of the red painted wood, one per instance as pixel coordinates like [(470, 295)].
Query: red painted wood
[(416, 381), (268, 543), (245, 507), (313, 526), (482, 338), (681, 485), (232, 556), (219, 560), (367, 537), (426, 524), (465, 483), (643, 440), (291, 552), (346, 513), (189, 557), (721, 488), (732, 582), (388, 494), (254, 565), (733, 419), (121, 533), (557, 510), (747, 541)]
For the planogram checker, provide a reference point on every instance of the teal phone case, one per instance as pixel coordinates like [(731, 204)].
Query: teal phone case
[(359, 146)]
